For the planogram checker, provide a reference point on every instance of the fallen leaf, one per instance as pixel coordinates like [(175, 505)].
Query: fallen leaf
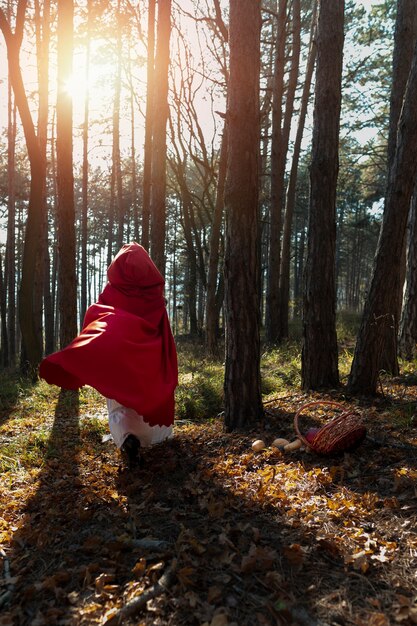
[(258, 559), (219, 620)]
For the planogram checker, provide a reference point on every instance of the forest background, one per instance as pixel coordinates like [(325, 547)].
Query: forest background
[(265, 154), (180, 88)]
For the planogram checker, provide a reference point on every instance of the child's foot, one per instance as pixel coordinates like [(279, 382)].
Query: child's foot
[(130, 450)]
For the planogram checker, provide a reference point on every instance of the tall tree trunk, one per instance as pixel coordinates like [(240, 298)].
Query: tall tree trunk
[(48, 304), (116, 134), (10, 262), (149, 116), (292, 184), (85, 170), (191, 283), (212, 309), (159, 147), (404, 40), (319, 353), (133, 177), (4, 341), (299, 262), (242, 384), (278, 152), (65, 180), (51, 339), (112, 210), (408, 334), (42, 22), (31, 340), (381, 300)]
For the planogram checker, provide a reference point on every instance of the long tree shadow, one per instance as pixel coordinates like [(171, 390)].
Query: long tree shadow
[(44, 525), (251, 559), (64, 524), (255, 561)]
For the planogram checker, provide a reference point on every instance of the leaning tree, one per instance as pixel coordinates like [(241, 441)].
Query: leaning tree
[(382, 296)]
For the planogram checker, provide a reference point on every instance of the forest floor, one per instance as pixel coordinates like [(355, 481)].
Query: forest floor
[(208, 531)]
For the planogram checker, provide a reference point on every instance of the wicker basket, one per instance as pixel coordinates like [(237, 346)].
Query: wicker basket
[(340, 434)]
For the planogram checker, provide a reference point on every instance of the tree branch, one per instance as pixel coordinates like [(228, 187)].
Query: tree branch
[(134, 606)]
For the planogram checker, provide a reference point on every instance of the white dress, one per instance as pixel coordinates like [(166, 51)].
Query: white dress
[(124, 422)]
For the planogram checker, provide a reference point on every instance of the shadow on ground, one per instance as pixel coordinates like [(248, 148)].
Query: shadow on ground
[(240, 560)]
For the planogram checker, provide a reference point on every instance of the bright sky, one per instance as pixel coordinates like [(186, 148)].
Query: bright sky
[(101, 95)]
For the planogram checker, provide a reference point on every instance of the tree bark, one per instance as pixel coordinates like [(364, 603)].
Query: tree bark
[(31, 340), (65, 180), (408, 326), (278, 153), (319, 352), (133, 177), (404, 40), (147, 151), (4, 342), (159, 148), (381, 300), (212, 308), (85, 171), (116, 134), (48, 305), (242, 386), (10, 262), (42, 23)]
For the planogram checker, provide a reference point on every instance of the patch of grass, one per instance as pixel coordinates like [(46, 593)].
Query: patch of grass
[(281, 368), (199, 395), (27, 450), (200, 391), (92, 430), (347, 326), (12, 389), (345, 363), (405, 416)]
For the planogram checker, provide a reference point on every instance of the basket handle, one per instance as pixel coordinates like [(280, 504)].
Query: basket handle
[(316, 403)]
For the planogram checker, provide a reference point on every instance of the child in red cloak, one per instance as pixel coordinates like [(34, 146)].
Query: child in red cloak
[(127, 352)]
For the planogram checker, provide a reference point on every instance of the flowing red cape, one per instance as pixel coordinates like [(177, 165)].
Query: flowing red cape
[(126, 349)]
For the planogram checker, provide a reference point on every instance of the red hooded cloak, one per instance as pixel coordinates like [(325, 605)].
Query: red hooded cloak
[(126, 349)]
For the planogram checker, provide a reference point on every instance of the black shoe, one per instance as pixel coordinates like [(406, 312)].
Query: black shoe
[(130, 450)]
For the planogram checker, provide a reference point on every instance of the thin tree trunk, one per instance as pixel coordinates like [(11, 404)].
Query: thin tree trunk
[(42, 44), (4, 342), (147, 156), (10, 263), (191, 283), (65, 179), (133, 178), (159, 148), (292, 184), (112, 210), (278, 152), (43, 138), (116, 135), (212, 308), (319, 352), (408, 333), (51, 339), (85, 170)]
